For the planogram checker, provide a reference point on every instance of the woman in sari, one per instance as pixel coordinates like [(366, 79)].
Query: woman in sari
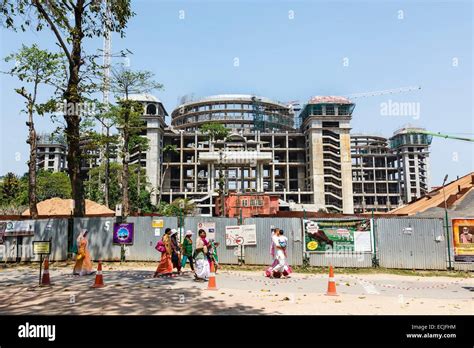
[(83, 264), (203, 269), (188, 250), (175, 251), (165, 267), (280, 265)]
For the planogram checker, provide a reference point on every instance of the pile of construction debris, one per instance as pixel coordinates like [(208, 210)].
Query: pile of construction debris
[(64, 207)]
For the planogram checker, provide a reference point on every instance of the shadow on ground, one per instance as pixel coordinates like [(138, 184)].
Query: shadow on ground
[(125, 293)]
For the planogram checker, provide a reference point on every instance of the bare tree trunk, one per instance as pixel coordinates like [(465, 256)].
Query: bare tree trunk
[(138, 177), (32, 166), (107, 169), (73, 119), (161, 185), (139, 171), (125, 161)]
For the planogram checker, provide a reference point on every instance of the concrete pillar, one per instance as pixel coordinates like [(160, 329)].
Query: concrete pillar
[(346, 172), (273, 163), (195, 163), (287, 176), (317, 167), (208, 177)]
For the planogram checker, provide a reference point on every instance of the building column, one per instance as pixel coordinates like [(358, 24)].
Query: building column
[(195, 163), (181, 159)]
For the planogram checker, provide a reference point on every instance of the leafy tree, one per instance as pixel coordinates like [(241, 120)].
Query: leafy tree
[(139, 198), (72, 23), (105, 143), (186, 205), (217, 131), (139, 144), (35, 67), (51, 185), (15, 193), (123, 83), (214, 131), (9, 188)]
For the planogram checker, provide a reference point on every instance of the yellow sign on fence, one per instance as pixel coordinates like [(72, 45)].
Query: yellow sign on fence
[(157, 224)]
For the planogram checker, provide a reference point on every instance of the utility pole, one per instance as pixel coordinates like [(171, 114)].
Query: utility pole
[(447, 222)]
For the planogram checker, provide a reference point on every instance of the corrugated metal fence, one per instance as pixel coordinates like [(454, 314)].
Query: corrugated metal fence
[(45, 229), (260, 253), (411, 243), (407, 243), (225, 254), (101, 243)]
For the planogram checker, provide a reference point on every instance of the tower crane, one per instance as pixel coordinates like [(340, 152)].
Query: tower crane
[(446, 136), (383, 92), (107, 56)]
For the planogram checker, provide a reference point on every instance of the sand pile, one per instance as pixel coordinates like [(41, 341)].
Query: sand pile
[(59, 206)]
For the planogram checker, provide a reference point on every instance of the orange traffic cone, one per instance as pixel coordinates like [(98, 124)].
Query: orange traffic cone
[(45, 281), (331, 283), (99, 279), (212, 279)]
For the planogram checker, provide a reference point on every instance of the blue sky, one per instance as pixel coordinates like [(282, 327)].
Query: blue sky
[(286, 59)]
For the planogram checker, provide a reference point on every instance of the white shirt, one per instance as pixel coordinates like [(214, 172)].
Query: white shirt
[(277, 241)]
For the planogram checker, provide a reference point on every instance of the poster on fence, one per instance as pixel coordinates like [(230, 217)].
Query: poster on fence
[(20, 228), (3, 226), (241, 235), (338, 235), (123, 234), (463, 240), (209, 228)]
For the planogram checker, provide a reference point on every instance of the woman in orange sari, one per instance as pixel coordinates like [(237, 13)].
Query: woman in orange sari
[(83, 264), (165, 267)]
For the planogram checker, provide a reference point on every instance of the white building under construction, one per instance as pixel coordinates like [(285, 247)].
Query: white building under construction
[(308, 156)]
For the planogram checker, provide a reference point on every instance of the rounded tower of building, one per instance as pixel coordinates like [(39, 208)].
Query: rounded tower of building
[(239, 112), (411, 145)]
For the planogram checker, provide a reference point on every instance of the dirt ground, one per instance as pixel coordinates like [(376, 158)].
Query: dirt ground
[(131, 289)]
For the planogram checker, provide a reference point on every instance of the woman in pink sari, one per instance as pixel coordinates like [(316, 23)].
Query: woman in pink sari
[(165, 267), (203, 269), (83, 264), (278, 247)]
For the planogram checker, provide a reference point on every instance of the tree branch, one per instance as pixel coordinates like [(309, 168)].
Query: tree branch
[(54, 29)]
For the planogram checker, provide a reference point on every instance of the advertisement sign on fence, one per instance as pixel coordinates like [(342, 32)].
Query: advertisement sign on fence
[(123, 233), (338, 235), (209, 227), (3, 226), (157, 224), (241, 235), (20, 228), (463, 239)]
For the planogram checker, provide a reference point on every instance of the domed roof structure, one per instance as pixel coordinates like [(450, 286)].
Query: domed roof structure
[(144, 97)]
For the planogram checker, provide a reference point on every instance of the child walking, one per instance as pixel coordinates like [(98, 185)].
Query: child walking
[(188, 250)]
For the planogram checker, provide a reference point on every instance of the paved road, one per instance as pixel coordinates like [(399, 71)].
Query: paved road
[(134, 291)]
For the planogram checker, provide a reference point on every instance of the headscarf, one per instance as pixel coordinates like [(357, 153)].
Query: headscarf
[(80, 237), (272, 246)]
